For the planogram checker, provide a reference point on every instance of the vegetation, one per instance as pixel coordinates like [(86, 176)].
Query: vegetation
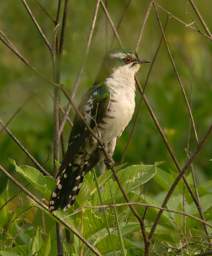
[(157, 200)]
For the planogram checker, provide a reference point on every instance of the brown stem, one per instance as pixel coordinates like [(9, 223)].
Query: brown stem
[(178, 178), (202, 21)]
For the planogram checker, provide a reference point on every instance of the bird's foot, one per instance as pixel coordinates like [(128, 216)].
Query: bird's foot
[(109, 162)]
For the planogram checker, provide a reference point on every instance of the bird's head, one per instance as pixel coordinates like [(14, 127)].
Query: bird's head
[(127, 59), (119, 60)]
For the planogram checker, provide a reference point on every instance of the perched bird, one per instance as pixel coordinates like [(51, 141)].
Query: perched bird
[(107, 109)]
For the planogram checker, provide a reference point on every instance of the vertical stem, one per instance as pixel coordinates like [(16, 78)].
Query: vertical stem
[(56, 101), (58, 48), (56, 78)]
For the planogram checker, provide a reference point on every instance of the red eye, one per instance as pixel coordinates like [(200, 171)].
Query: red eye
[(127, 60)]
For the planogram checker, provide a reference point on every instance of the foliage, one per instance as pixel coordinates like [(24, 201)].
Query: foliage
[(101, 213), (100, 224)]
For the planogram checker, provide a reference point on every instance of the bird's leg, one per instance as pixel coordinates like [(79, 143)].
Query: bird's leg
[(109, 162)]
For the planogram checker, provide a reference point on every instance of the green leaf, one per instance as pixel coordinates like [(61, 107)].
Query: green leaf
[(20, 250), (8, 253), (134, 176), (43, 184), (3, 182), (46, 249), (37, 242)]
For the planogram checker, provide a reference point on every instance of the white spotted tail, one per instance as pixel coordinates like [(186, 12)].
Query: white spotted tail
[(68, 186)]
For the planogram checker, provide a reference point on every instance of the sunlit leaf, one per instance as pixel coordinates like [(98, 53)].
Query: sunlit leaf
[(43, 184)]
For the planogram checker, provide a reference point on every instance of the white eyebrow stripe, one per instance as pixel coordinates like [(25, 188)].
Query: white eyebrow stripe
[(119, 55)]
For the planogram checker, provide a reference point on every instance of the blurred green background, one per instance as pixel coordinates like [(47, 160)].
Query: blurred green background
[(34, 125), (22, 91)]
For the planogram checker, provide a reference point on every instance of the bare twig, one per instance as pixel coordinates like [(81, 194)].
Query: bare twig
[(45, 207), (178, 178), (187, 151), (202, 21), (103, 206), (56, 58), (177, 75), (18, 110), (77, 81), (38, 27), (140, 100), (44, 10), (65, 10), (146, 16), (5, 40), (167, 144), (23, 148), (179, 20), (59, 3), (111, 23)]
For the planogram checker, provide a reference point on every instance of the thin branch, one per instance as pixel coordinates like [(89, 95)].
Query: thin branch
[(177, 75), (44, 10), (202, 21), (5, 40), (155, 57), (45, 208), (23, 148), (38, 27), (18, 110), (145, 205), (9, 200), (111, 23), (65, 10), (179, 177), (179, 20), (140, 100), (68, 119), (77, 81), (59, 3), (56, 58), (120, 21), (146, 16), (168, 146)]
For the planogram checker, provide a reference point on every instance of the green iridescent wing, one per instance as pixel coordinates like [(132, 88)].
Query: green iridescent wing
[(92, 107)]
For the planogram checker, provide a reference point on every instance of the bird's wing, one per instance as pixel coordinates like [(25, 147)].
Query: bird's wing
[(73, 167), (92, 108)]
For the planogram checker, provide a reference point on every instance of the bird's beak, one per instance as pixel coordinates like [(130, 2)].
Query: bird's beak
[(139, 61), (143, 61)]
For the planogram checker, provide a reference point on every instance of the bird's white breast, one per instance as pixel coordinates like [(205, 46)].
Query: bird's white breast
[(121, 105)]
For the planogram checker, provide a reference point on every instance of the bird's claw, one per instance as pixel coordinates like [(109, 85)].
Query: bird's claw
[(109, 162)]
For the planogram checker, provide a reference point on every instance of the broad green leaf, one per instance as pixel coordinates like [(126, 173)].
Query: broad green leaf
[(8, 253), (43, 184), (134, 176), (3, 182), (164, 179), (37, 242), (20, 250), (46, 248)]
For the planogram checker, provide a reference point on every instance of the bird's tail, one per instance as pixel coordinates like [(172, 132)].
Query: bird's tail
[(68, 186)]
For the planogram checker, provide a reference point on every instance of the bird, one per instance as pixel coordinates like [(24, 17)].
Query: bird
[(107, 109)]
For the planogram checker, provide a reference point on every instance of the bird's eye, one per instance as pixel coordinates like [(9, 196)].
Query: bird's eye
[(127, 60)]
